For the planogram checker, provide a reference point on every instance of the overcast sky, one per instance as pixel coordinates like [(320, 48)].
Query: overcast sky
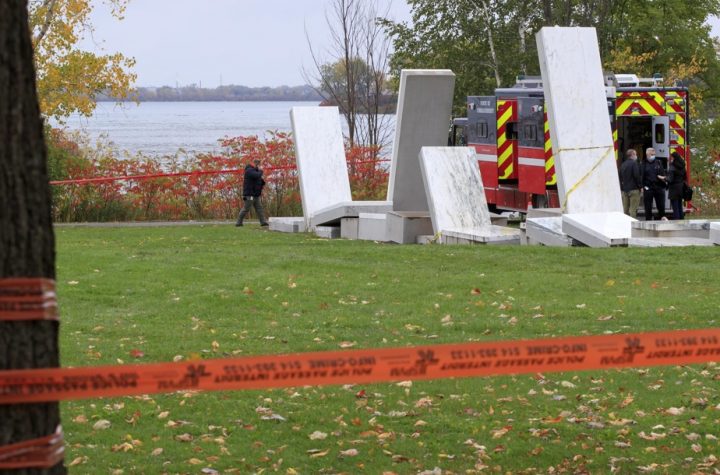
[(245, 42)]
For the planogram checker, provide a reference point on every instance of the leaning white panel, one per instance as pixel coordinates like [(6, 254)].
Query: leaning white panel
[(320, 156), (578, 117), (456, 197), (423, 115)]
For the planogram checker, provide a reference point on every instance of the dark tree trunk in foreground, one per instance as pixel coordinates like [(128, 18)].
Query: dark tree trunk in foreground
[(26, 234)]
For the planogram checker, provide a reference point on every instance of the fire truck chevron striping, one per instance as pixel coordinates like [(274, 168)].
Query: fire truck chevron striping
[(641, 115)]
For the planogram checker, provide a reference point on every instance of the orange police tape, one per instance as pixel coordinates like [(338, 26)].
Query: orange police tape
[(366, 366)]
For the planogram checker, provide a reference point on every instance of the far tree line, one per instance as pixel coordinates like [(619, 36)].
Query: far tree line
[(220, 93)]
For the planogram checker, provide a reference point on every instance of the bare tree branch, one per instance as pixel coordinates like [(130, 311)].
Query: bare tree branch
[(50, 5)]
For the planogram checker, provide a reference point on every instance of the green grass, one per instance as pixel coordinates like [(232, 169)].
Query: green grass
[(214, 291)]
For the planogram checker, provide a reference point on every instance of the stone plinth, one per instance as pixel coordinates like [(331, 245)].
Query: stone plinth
[(327, 232), (403, 227), (349, 228), (348, 209), (372, 227), (546, 231), (694, 228), (288, 225), (715, 232), (668, 242)]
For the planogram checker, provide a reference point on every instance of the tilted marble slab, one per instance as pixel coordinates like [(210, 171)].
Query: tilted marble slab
[(423, 115), (715, 232), (320, 156), (456, 197), (668, 242), (598, 229), (547, 231), (577, 110)]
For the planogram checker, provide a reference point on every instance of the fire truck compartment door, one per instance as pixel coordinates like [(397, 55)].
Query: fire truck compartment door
[(531, 141), (661, 136)]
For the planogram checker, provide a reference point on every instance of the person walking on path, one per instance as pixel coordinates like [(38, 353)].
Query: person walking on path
[(653, 183), (253, 184), (676, 179), (630, 183)]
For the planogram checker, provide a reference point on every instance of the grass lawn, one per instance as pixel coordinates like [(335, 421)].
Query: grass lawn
[(157, 294)]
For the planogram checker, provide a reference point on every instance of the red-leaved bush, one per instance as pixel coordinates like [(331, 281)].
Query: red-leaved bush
[(197, 193)]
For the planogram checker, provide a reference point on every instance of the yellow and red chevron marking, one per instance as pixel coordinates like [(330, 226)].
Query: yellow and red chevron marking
[(506, 149), (639, 103), (615, 138), (550, 178)]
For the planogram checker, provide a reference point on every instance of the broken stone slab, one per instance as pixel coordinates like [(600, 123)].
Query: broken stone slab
[(598, 229), (349, 209), (372, 227), (287, 224)]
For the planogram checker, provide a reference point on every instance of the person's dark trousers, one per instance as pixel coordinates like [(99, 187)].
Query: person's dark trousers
[(678, 211), (658, 194), (249, 202)]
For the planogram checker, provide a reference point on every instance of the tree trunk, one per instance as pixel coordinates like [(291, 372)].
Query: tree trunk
[(27, 247)]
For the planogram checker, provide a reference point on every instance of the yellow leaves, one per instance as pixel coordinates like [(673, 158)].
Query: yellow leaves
[(499, 433)]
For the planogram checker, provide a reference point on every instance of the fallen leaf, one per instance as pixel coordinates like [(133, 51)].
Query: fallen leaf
[(163, 414), (316, 453), (475, 291), (194, 461), (184, 437), (347, 344), (135, 353), (157, 451), (317, 435), (498, 433), (77, 461), (349, 452), (81, 419), (102, 424)]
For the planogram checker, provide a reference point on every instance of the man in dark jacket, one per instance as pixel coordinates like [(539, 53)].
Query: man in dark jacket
[(253, 184), (653, 182), (630, 183)]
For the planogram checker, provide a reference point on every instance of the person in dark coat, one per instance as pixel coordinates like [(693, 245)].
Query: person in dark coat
[(253, 184), (653, 183), (676, 179), (630, 183)]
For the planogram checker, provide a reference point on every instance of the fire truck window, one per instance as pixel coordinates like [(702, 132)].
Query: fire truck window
[(659, 133), (530, 132), (511, 132)]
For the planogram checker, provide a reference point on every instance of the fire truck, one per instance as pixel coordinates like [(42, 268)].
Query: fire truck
[(510, 134)]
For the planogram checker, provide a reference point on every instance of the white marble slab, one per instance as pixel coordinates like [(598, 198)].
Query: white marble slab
[(372, 227), (598, 229), (348, 209), (715, 232), (546, 231), (577, 110), (695, 228), (288, 224), (454, 188), (491, 235), (668, 242), (423, 117), (320, 156)]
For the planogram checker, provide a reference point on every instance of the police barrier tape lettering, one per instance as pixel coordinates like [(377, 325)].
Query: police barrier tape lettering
[(366, 366)]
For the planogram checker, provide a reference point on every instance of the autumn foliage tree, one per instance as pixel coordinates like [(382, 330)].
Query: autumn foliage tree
[(68, 78)]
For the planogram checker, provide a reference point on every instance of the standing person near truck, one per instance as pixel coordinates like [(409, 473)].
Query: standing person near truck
[(630, 183), (253, 184), (653, 183), (676, 179)]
